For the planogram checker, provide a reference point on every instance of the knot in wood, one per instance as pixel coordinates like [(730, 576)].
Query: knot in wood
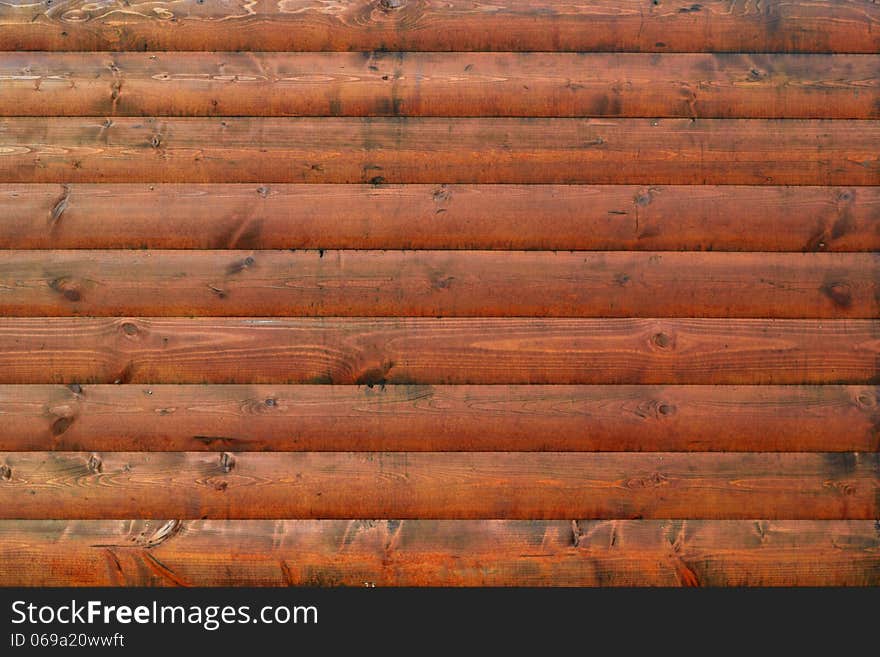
[(66, 288), (227, 462), (839, 292), (866, 400), (95, 464)]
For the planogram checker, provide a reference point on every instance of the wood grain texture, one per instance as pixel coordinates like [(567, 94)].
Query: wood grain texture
[(440, 150), (440, 84), (439, 553), (439, 418), (439, 284), (467, 485), (439, 292), (578, 217), (438, 351), (616, 25)]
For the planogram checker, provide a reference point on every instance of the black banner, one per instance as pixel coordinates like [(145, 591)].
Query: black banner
[(399, 621)]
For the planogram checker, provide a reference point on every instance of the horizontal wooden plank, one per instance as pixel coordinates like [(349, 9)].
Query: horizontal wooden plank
[(442, 351), (440, 150), (439, 284), (439, 553), (579, 217), (672, 25), (502, 485), (440, 84), (439, 418)]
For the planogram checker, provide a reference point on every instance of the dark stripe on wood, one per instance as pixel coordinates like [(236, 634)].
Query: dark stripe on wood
[(613, 217), (423, 350), (439, 553), (439, 284), (440, 418), (514, 485), (440, 150), (634, 25), (440, 84)]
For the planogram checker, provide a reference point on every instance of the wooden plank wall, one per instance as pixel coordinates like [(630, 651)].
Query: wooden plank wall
[(402, 292)]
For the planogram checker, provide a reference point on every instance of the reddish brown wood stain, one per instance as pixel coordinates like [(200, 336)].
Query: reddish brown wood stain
[(439, 284), (504, 485), (518, 25), (424, 417), (431, 84), (419, 350), (535, 217), (417, 293), (441, 552), (439, 150)]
